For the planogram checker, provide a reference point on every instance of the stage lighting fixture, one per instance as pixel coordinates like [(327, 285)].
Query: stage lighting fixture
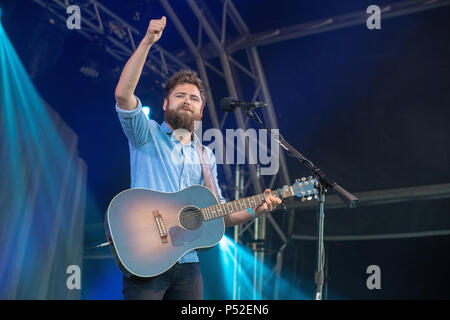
[(118, 29), (224, 242), (147, 111)]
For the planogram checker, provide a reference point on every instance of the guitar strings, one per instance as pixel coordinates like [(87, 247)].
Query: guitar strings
[(188, 217), (232, 204), (193, 214)]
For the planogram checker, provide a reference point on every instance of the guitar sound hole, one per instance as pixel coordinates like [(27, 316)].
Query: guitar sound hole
[(191, 218)]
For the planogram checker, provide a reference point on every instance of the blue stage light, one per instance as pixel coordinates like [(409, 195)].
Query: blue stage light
[(40, 227), (147, 111), (239, 265), (225, 242)]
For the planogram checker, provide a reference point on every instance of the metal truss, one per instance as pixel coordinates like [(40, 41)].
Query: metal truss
[(247, 40), (389, 196), (388, 11), (100, 23)]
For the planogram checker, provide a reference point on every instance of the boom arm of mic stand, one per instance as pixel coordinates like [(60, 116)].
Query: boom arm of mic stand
[(349, 199)]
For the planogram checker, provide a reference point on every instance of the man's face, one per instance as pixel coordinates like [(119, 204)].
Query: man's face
[(183, 107)]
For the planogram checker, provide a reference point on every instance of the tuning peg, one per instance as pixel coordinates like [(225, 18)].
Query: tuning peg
[(309, 198), (303, 179), (303, 199)]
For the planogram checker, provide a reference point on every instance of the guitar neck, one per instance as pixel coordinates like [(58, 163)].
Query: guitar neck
[(221, 210)]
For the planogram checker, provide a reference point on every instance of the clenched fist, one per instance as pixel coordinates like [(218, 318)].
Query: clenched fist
[(155, 30)]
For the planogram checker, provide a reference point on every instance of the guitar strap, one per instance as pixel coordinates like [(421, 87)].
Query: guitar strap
[(206, 169)]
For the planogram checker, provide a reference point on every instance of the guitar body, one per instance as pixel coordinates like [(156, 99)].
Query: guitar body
[(151, 230)]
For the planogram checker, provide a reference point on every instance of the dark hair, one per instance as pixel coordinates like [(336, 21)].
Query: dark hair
[(185, 76)]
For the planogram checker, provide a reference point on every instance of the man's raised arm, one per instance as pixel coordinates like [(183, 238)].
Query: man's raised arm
[(131, 73)]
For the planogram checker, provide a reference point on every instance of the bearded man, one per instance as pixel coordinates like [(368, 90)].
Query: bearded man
[(153, 147)]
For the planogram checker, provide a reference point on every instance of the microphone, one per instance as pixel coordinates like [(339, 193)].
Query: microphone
[(229, 104)]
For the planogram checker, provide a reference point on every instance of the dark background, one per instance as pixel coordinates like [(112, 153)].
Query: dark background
[(369, 107)]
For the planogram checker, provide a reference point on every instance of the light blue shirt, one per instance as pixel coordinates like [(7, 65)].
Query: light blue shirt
[(158, 161)]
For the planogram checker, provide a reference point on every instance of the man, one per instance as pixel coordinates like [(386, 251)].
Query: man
[(152, 148)]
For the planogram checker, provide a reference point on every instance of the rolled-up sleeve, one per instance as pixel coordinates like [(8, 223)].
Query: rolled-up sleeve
[(134, 124)]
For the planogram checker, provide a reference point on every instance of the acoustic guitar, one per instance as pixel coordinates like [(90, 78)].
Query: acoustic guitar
[(150, 230)]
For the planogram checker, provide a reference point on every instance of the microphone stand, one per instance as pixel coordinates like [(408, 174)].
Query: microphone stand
[(323, 185)]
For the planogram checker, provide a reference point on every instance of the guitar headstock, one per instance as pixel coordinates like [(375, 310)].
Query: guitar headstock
[(305, 188)]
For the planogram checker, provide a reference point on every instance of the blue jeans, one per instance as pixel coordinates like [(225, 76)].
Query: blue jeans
[(181, 282)]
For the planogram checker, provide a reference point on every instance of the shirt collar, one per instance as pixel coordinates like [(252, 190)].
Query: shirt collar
[(165, 127)]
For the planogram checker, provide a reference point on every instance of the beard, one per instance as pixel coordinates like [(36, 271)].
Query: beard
[(179, 119)]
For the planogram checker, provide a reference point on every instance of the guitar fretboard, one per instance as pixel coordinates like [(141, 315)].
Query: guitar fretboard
[(230, 207)]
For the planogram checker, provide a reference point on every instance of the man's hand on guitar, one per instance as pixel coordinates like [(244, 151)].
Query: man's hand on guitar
[(155, 30), (270, 203)]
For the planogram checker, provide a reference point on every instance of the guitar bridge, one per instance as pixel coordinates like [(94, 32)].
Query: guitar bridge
[(160, 225)]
